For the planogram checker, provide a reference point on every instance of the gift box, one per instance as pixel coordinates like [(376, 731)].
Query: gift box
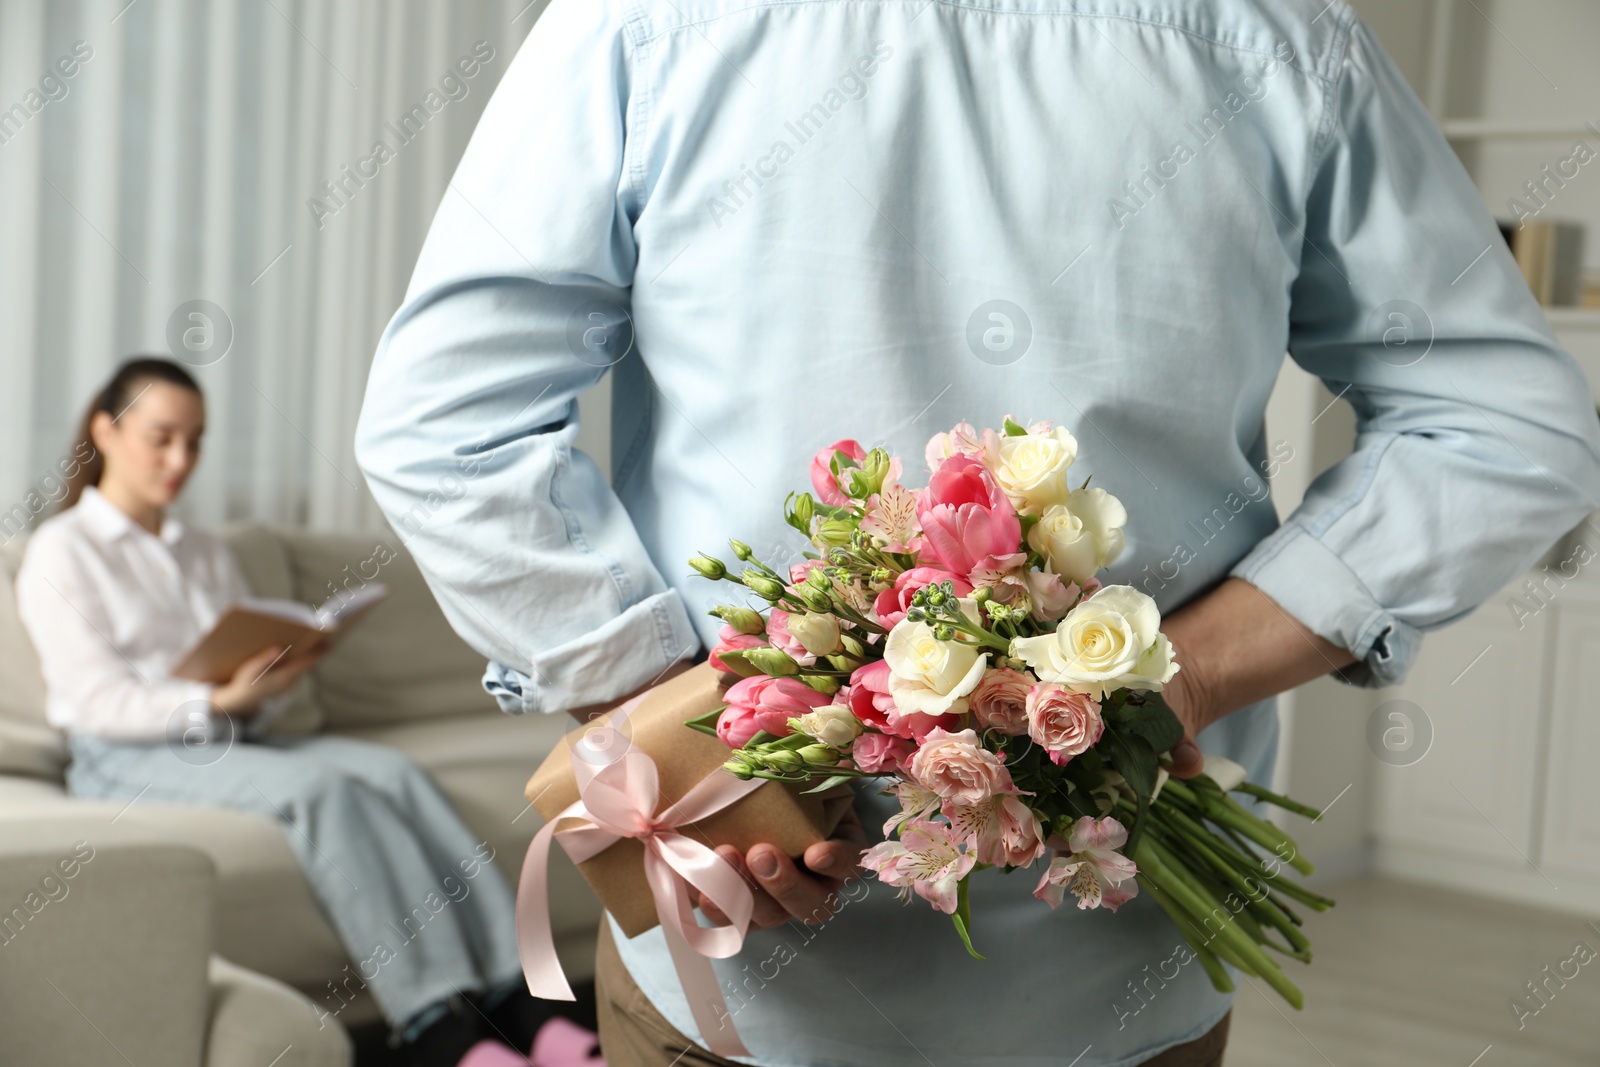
[(777, 813)]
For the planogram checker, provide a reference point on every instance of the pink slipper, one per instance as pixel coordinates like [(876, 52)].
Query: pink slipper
[(563, 1043), (492, 1054)]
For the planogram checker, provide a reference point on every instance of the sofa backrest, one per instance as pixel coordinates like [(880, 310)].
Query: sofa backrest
[(27, 743), (401, 662)]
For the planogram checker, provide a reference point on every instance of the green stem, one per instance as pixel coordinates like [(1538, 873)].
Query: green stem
[(1280, 800)]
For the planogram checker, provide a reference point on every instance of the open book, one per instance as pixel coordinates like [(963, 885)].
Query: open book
[(248, 626)]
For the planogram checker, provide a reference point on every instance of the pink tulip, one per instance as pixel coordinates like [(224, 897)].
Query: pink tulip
[(772, 702), (731, 640), (966, 519)]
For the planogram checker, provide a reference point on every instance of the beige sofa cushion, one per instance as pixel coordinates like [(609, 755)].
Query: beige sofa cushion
[(403, 661), (265, 563), (27, 744)]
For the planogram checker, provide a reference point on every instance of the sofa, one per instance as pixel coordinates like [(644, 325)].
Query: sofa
[(201, 919)]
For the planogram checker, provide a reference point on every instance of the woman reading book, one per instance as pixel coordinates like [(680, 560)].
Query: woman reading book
[(114, 590)]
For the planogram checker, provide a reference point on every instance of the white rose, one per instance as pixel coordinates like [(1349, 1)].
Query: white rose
[(928, 675), (1031, 469), (818, 633), (833, 725), (1110, 641), (1082, 535)]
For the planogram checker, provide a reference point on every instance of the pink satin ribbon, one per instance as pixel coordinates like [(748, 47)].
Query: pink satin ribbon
[(618, 795)]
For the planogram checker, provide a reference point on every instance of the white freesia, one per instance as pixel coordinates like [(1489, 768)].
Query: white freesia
[(928, 675), (818, 633), (1082, 535), (833, 725), (1031, 469), (1110, 641)]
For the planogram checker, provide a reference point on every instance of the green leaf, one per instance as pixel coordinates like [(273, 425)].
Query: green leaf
[(1133, 758), (963, 919), (1155, 722), (1014, 430)]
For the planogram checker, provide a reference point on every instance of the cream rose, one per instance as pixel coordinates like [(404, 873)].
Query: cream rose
[(1111, 640), (1082, 535), (1031, 469), (819, 634), (833, 725), (928, 675)]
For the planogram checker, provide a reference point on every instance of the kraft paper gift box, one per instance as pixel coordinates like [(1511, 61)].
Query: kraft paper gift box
[(777, 813)]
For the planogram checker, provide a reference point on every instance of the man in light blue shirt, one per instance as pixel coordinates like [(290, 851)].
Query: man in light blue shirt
[(782, 223)]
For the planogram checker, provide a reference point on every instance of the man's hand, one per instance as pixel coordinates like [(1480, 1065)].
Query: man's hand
[(1235, 646), (784, 890)]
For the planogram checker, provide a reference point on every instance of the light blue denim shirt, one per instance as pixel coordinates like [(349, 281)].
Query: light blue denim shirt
[(782, 222)]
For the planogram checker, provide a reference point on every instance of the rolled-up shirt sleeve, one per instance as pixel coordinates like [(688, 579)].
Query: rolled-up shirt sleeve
[(518, 303), (1477, 444)]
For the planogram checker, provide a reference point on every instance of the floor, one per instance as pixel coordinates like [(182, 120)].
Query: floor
[(1406, 975)]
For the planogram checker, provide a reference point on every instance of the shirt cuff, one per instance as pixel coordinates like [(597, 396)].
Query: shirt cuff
[(1319, 589), (604, 665)]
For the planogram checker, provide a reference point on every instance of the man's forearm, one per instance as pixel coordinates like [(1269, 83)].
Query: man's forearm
[(1235, 646)]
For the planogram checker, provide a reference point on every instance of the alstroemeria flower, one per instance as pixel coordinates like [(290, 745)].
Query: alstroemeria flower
[(1095, 871), (926, 860), (1003, 831)]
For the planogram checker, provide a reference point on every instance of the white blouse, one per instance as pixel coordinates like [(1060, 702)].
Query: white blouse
[(111, 607)]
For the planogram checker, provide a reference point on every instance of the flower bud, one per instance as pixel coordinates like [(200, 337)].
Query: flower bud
[(736, 661), (833, 726), (825, 684), (804, 508), (769, 589), (709, 567), (743, 619), (982, 594), (773, 661), (818, 756), (944, 632), (740, 549), (781, 759), (739, 769)]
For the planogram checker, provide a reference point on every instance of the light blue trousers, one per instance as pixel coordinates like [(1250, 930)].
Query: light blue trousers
[(410, 891)]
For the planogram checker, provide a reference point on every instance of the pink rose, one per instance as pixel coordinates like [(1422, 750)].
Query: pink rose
[(880, 753), (959, 769), (891, 604), (778, 633), (737, 725), (729, 641), (772, 702), (1000, 701), (822, 479), (967, 521), (1067, 724)]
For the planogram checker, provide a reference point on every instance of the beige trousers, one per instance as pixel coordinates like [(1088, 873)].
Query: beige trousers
[(634, 1034)]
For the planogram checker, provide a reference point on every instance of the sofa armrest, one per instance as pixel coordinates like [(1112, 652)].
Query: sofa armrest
[(105, 937), (256, 1020)]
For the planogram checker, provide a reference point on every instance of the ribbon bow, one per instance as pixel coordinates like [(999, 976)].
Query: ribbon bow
[(617, 799)]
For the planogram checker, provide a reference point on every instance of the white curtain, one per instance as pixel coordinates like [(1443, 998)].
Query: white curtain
[(185, 158)]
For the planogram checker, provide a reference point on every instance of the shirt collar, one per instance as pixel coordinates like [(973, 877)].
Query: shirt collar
[(108, 522)]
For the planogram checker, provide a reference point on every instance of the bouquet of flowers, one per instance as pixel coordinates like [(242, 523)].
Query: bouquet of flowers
[(954, 641)]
